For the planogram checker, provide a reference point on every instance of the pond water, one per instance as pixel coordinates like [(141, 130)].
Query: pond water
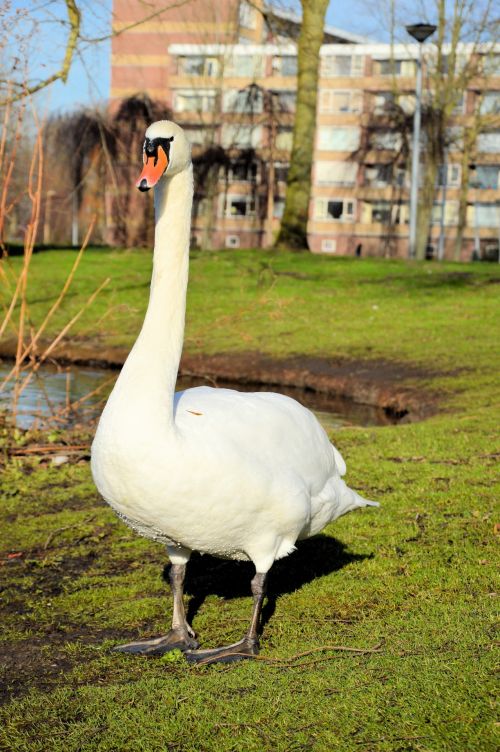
[(71, 395)]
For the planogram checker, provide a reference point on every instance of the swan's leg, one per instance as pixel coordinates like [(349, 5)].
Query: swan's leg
[(245, 648), (181, 636)]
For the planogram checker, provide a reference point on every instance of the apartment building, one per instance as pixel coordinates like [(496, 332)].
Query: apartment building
[(231, 83)]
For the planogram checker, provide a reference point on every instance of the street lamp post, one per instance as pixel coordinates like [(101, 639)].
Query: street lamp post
[(419, 32)]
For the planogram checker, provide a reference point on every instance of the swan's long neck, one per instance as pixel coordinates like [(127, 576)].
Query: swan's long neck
[(147, 381)]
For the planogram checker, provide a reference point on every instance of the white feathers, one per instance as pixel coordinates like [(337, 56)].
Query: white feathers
[(238, 475)]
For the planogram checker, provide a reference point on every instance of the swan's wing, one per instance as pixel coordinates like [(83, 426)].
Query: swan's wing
[(269, 427)]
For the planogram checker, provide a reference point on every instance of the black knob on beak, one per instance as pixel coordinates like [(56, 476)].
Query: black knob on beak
[(143, 186)]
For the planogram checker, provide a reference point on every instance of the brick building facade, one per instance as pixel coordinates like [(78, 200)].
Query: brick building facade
[(228, 72)]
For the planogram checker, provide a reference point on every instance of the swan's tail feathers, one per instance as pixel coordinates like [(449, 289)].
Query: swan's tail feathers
[(360, 501), (350, 499), (366, 503)]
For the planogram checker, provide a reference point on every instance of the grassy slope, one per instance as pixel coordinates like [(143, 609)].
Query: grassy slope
[(417, 575)]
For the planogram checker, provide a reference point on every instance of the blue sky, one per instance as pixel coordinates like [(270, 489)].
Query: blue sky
[(89, 79)]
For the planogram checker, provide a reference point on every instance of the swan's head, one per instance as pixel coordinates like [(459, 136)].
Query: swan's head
[(166, 152)]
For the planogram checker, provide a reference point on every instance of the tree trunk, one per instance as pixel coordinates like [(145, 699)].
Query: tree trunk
[(293, 232), (426, 203)]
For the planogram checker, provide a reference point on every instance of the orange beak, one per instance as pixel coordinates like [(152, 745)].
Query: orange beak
[(154, 167)]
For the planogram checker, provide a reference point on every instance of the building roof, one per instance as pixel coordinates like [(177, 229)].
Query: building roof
[(277, 17)]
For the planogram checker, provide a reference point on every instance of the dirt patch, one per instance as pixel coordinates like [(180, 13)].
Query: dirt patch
[(375, 382), (378, 382), (39, 662)]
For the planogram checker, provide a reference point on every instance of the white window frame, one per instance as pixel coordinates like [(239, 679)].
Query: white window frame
[(336, 166), (254, 132), (321, 209), (494, 138), (385, 147), (394, 208), (242, 101), (277, 66), (453, 175), (211, 66), (246, 198), (232, 178), (232, 241), (329, 245), (495, 95), (450, 213), (232, 64), (329, 70), (204, 95), (324, 130), (494, 166), (327, 98), (247, 16)]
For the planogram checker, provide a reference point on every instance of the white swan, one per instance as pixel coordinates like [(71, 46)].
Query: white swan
[(236, 475)]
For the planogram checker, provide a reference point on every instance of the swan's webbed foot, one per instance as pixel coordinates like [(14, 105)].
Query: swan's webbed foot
[(246, 648), (175, 639)]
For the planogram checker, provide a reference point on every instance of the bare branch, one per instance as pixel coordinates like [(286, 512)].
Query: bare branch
[(74, 20)]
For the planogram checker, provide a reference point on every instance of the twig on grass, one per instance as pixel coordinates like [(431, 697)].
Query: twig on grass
[(53, 534), (288, 661), (391, 739)]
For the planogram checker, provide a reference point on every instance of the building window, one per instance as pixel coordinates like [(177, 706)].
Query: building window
[(197, 136), (489, 142), (191, 100), (382, 175), (334, 101), (284, 138), (333, 138), (198, 65), (490, 103), (394, 67), (239, 206), (287, 101), (485, 177), (382, 212), (247, 16), (455, 138), (491, 65), (278, 207), (280, 172), (232, 241), (334, 209), (450, 213), (245, 66), (285, 65), (335, 173), (449, 175), (329, 245), (382, 101), (243, 100), (333, 66), (241, 136), (242, 171), (483, 215), (386, 140)]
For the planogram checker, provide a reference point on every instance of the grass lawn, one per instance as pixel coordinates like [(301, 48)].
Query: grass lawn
[(413, 581)]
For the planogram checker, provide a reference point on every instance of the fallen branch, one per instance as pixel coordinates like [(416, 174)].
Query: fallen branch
[(53, 534), (287, 661), (47, 449)]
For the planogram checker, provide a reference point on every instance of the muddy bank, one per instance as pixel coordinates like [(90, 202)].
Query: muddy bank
[(380, 383)]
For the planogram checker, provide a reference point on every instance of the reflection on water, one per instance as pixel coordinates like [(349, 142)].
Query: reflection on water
[(72, 395)]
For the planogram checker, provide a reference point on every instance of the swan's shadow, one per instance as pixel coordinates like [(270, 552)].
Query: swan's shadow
[(315, 557)]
